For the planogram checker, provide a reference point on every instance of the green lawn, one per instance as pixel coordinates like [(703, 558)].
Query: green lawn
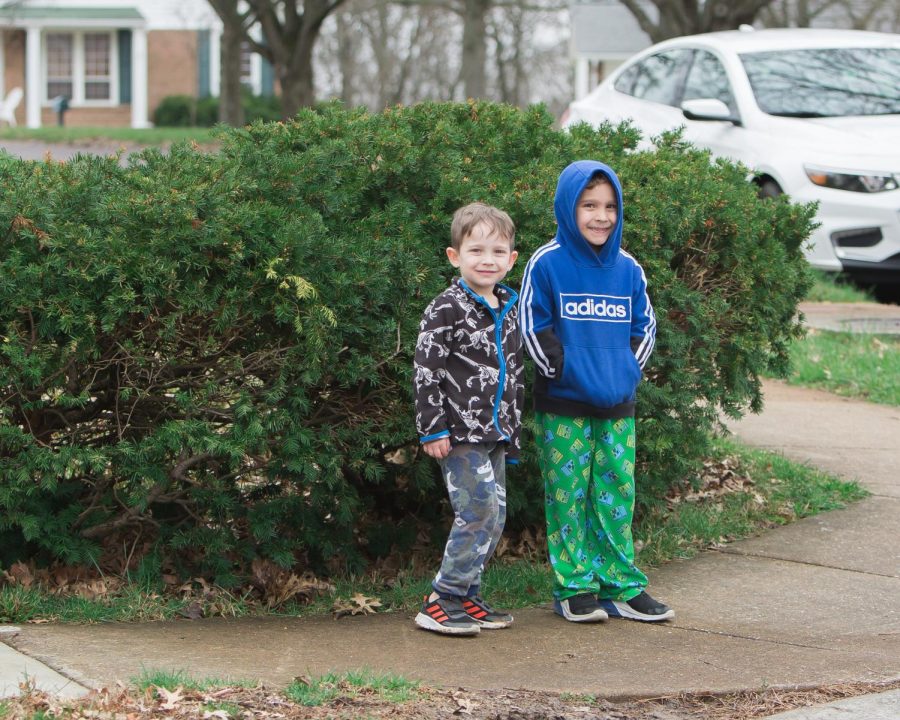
[(149, 136), (830, 287), (854, 365)]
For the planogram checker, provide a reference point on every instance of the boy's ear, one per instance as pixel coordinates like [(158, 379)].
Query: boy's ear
[(512, 259), (453, 256)]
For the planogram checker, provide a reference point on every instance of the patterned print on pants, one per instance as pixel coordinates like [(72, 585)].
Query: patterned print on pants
[(475, 475), (588, 469)]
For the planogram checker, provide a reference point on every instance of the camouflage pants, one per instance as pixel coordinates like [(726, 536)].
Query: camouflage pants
[(588, 469), (476, 482)]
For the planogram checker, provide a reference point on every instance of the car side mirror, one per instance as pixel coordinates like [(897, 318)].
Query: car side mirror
[(708, 109)]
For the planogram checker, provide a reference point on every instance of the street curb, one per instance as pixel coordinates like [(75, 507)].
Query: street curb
[(17, 669), (880, 706)]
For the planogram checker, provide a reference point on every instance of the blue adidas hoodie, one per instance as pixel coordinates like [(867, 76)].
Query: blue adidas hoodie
[(585, 314)]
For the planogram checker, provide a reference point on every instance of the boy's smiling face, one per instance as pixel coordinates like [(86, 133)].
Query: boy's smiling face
[(484, 257), (596, 213)]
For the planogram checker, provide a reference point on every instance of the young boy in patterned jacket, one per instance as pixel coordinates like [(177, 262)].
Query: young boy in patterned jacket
[(468, 397), (589, 326)]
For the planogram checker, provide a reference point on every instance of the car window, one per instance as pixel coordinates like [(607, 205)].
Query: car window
[(827, 82), (657, 78), (707, 79)]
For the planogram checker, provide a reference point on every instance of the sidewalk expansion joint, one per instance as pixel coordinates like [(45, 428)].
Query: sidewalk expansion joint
[(736, 636), (729, 551)]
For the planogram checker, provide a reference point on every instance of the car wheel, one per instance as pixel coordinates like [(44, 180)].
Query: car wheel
[(769, 189)]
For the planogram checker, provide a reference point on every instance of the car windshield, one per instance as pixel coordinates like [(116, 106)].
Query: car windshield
[(830, 82)]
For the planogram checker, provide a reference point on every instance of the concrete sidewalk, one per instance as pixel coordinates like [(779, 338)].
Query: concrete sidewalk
[(814, 602)]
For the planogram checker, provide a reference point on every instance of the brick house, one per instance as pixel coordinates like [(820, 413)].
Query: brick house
[(114, 60)]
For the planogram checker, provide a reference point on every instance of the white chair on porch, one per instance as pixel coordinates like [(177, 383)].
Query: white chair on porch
[(9, 105)]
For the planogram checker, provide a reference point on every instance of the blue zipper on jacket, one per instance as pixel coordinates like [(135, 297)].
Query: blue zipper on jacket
[(498, 341)]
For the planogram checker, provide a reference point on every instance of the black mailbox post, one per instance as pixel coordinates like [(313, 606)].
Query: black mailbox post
[(60, 105)]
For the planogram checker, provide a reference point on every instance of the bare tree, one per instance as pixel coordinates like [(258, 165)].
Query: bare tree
[(377, 53), (404, 53), (686, 17), (859, 14), (289, 29), (866, 15), (795, 13), (529, 47)]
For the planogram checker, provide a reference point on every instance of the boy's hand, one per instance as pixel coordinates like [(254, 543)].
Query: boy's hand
[(438, 449)]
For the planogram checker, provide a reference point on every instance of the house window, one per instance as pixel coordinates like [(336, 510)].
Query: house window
[(97, 66), (60, 65), (81, 66)]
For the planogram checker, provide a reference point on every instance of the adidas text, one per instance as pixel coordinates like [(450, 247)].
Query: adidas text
[(596, 307)]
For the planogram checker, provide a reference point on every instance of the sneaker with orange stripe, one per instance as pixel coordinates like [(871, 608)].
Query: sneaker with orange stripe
[(447, 616), (484, 614)]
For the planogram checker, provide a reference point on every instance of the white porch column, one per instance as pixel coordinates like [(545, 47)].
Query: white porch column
[(139, 79), (33, 91), (215, 61), (582, 71)]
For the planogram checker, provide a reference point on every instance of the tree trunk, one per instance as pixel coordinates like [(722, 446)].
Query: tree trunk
[(231, 110), (297, 87), (474, 48), (346, 58)]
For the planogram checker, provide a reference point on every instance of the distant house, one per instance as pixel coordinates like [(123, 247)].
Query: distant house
[(113, 60), (604, 34)]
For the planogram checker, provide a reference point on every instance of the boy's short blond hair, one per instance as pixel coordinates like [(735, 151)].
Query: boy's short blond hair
[(467, 217)]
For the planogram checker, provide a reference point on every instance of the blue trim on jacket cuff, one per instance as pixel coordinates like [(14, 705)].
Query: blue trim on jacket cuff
[(512, 461), (436, 436)]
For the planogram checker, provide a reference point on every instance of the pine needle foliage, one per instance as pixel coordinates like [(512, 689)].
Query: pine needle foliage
[(206, 357)]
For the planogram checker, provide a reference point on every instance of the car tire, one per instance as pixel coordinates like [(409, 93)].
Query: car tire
[(769, 189)]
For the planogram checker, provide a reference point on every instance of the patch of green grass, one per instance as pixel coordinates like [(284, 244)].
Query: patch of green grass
[(832, 287), (781, 491), (148, 136), (850, 364), (323, 689), (173, 679), (569, 697), (130, 603), (230, 709)]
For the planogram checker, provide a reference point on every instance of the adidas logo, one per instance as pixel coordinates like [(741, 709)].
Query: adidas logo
[(608, 308)]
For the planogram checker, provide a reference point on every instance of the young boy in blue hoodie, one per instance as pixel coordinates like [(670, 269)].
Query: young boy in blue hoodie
[(589, 326)]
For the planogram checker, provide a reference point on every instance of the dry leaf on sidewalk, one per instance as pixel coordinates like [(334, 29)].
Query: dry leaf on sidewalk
[(359, 604)]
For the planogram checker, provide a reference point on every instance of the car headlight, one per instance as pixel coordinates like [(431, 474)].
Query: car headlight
[(852, 181)]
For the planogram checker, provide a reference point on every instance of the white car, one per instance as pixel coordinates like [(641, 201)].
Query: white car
[(814, 114)]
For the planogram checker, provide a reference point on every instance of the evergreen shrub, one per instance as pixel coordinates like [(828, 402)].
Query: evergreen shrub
[(176, 111), (188, 111), (206, 358)]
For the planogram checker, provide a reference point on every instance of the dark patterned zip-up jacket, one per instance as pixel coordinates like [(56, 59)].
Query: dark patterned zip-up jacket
[(468, 369)]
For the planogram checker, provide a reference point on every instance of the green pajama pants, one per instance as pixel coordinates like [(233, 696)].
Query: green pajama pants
[(588, 469)]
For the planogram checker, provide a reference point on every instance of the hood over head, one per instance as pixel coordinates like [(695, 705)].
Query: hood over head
[(572, 182)]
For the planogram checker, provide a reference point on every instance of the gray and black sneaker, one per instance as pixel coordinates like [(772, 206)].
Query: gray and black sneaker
[(641, 607), (446, 616), (580, 608), (486, 616)]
